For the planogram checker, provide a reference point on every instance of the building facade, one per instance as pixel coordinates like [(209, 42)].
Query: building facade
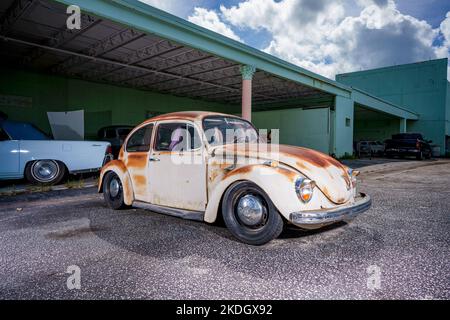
[(421, 87)]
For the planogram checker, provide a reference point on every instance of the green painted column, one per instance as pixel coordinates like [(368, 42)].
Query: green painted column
[(343, 135), (403, 127)]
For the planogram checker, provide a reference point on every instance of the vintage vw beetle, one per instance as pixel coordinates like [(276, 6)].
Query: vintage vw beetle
[(200, 165)]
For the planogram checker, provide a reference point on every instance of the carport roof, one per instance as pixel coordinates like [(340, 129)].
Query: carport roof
[(129, 43)]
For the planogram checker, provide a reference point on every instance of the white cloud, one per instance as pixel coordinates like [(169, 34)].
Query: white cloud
[(320, 35), (209, 19), (444, 50), (327, 37)]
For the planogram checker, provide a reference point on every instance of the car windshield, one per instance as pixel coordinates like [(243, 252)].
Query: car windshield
[(227, 130)]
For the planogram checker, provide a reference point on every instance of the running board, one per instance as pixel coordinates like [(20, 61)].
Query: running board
[(180, 213)]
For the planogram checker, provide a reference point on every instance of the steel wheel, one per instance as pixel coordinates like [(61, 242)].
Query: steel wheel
[(250, 215)]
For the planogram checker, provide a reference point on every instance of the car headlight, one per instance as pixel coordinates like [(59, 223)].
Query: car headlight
[(304, 189)]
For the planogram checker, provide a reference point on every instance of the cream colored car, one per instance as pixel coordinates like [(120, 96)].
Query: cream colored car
[(201, 165)]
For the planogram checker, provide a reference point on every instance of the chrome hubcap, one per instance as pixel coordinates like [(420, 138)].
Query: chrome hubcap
[(45, 170), (250, 210), (114, 188)]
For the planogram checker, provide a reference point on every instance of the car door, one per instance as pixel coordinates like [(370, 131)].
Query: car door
[(177, 167), (136, 157), (9, 155)]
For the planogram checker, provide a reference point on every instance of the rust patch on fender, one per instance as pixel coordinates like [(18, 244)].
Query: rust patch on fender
[(291, 175), (214, 174), (314, 157), (128, 191), (241, 170), (301, 165)]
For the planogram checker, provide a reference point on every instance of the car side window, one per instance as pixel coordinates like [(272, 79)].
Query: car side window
[(3, 135), (140, 140), (177, 137)]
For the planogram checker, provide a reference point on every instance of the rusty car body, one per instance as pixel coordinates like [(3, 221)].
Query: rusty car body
[(255, 187)]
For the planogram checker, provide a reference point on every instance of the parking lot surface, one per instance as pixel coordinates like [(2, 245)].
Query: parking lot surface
[(398, 249)]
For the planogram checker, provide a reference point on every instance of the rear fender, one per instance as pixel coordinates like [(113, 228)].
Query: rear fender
[(118, 167)]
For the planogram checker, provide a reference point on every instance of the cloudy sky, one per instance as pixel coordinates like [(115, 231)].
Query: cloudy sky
[(325, 36)]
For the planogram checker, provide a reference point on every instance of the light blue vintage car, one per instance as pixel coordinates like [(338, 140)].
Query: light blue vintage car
[(25, 151)]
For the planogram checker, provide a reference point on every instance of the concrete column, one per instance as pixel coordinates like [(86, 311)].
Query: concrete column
[(247, 76), (402, 126), (343, 128)]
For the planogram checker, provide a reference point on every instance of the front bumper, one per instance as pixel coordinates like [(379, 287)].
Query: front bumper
[(327, 216)]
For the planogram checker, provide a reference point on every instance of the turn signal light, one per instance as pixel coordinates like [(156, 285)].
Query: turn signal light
[(304, 189)]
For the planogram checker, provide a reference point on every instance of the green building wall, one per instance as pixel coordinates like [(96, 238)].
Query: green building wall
[(420, 87), (103, 104), (308, 128), (377, 130)]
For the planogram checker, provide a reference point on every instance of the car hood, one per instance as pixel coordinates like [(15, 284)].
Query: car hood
[(329, 174)]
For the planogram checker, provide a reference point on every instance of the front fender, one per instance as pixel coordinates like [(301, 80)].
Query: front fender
[(119, 168), (278, 183)]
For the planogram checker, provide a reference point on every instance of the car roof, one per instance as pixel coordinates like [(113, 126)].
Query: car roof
[(187, 115)]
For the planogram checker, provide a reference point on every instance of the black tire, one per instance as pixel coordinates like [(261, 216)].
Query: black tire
[(113, 197), (266, 229), (46, 172), (419, 156)]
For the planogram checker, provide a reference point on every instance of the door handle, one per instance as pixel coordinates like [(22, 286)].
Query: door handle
[(153, 159)]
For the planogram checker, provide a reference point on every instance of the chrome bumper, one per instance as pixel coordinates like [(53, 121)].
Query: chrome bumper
[(327, 216)]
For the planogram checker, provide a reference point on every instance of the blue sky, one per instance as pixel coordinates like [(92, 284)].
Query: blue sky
[(328, 37)]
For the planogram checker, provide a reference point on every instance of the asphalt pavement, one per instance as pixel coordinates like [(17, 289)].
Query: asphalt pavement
[(400, 249)]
